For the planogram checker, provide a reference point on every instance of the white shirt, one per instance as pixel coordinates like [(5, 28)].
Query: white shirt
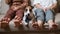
[(44, 3)]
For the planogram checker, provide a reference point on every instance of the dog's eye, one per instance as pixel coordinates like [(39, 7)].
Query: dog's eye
[(30, 10), (25, 9)]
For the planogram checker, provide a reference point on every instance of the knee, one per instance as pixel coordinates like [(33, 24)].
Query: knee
[(49, 11), (39, 10)]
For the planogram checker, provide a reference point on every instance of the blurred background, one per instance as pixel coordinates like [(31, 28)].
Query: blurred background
[(4, 6)]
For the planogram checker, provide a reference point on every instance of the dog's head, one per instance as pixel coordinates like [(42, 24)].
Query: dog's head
[(29, 12), (29, 8)]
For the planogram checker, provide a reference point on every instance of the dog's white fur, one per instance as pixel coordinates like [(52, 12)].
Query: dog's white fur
[(24, 18)]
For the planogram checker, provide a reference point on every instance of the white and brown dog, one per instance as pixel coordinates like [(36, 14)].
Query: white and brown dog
[(29, 17)]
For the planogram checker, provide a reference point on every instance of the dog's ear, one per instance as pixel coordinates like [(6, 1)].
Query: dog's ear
[(8, 2), (32, 7)]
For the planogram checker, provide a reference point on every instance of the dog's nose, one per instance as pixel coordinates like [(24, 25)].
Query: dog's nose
[(26, 13)]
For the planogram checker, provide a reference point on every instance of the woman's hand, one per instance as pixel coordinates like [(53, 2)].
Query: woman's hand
[(38, 6), (45, 9)]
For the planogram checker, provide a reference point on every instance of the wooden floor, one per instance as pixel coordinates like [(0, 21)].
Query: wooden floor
[(32, 32)]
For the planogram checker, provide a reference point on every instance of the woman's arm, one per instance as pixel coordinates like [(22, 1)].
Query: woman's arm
[(37, 5), (54, 4)]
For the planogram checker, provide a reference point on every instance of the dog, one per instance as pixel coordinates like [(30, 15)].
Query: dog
[(28, 15)]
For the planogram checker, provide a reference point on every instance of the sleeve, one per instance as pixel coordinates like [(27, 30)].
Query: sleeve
[(36, 2)]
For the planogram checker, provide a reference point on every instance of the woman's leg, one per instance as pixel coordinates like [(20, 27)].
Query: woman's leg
[(40, 17), (18, 18), (50, 19)]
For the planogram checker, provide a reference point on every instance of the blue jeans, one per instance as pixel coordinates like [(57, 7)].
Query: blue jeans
[(44, 16)]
